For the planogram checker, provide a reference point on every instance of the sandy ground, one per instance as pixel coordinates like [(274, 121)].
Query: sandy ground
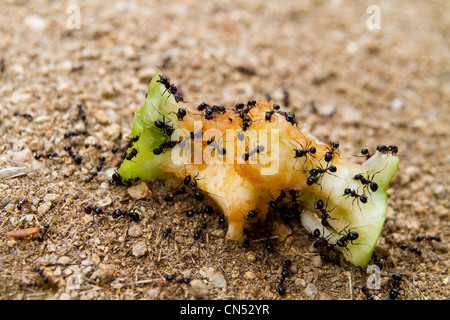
[(383, 86)]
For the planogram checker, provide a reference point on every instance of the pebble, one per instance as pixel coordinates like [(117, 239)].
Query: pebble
[(139, 191), (51, 197), (44, 207), (22, 156), (139, 249), (135, 231), (199, 289), (249, 275), (216, 277), (311, 290), (397, 104), (251, 256), (64, 260)]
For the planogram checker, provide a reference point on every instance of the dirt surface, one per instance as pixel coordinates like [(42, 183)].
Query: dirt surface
[(369, 87)]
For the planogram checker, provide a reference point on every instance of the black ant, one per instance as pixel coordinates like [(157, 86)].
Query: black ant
[(329, 154), (164, 127), (76, 158), (163, 146), (417, 251), (352, 193), (365, 152), (132, 154), (436, 238), (284, 274), (24, 115), (322, 241), (316, 173), (133, 215), (167, 232), (81, 113), (130, 141), (386, 149), (289, 116), (304, 151), (220, 151), (69, 134), (396, 279), (166, 83), (274, 203), (271, 112), (21, 203), (251, 153), (252, 214), (319, 205), (181, 113), (191, 183), (349, 236)]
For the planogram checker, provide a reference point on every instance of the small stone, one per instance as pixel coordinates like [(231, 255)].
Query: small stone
[(139, 191), (326, 110), (52, 197), (199, 289), (311, 290), (249, 275), (106, 274), (153, 293), (44, 207), (251, 256), (22, 156), (139, 249), (64, 260), (397, 104), (135, 231), (316, 261)]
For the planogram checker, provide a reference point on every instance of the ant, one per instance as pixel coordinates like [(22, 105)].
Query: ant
[(167, 232), (289, 116), (323, 241), (166, 83), (367, 182), (130, 141), (69, 134), (284, 274), (316, 173), (249, 154), (81, 113), (24, 115), (21, 203), (319, 205), (349, 236), (211, 142), (164, 127), (132, 154), (271, 112), (329, 155), (181, 113), (436, 238), (191, 183), (162, 147), (352, 193), (304, 151), (396, 279), (252, 214), (76, 158), (386, 149), (365, 152), (133, 215), (274, 203)]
